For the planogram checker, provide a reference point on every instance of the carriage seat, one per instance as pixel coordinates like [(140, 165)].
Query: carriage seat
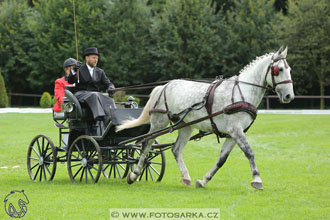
[(73, 108)]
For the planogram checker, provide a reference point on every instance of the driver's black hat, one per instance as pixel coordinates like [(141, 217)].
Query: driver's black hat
[(91, 51)]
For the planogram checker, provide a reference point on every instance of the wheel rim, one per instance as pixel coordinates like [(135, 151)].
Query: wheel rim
[(84, 160), (116, 166), (41, 159), (154, 166)]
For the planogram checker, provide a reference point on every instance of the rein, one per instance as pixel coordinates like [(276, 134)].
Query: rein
[(154, 84)]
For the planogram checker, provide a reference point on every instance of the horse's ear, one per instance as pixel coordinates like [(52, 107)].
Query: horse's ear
[(278, 52), (285, 52)]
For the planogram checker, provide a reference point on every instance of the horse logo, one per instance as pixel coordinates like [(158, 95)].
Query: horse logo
[(15, 204)]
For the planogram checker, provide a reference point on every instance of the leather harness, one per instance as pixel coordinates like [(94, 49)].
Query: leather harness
[(208, 99)]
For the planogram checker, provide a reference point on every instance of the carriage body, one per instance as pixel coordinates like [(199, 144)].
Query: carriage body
[(91, 148)]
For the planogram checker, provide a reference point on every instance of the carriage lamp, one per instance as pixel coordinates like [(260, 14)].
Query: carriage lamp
[(132, 103), (68, 107)]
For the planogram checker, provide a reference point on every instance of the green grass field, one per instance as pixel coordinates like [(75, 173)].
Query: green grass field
[(292, 153)]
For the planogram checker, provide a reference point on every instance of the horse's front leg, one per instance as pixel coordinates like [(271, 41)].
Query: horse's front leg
[(227, 147), (240, 138), (132, 176)]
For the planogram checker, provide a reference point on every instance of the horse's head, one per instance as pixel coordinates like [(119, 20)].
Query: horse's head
[(278, 76)]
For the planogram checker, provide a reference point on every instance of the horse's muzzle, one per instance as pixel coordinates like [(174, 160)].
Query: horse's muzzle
[(287, 98)]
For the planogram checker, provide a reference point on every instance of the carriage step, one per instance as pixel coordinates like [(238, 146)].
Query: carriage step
[(61, 126)]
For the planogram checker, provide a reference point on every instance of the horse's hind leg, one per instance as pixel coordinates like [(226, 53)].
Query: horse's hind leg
[(132, 176), (157, 121), (240, 138), (177, 150), (227, 147)]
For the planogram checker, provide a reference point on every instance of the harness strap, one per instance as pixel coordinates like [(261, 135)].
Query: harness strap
[(154, 108), (239, 89), (209, 97), (241, 106)]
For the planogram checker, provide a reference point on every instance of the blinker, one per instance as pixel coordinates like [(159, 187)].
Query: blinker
[(275, 71)]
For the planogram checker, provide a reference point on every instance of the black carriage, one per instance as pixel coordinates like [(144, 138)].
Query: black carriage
[(92, 149)]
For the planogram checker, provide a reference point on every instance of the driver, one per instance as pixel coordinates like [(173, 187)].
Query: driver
[(89, 80)]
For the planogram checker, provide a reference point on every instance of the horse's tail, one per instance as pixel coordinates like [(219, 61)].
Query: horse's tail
[(144, 117)]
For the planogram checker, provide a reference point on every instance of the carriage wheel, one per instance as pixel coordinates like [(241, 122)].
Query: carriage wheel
[(117, 166), (154, 165), (41, 159), (84, 160)]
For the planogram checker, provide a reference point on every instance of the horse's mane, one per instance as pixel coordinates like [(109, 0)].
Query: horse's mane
[(253, 62)]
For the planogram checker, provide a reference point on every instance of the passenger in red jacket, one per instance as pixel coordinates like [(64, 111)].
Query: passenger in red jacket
[(61, 83)]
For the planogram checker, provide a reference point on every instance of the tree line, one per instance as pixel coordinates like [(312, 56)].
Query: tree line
[(142, 41)]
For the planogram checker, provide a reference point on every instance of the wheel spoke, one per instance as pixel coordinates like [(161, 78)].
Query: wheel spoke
[(92, 167), (105, 168), (155, 170), (34, 178), (152, 178), (90, 173), (46, 157), (78, 150), (50, 174), (83, 146), (156, 163), (35, 151), (40, 177), (43, 168), (110, 171), (122, 166), (118, 171), (42, 146), (34, 158), (86, 175), (71, 154), (92, 155), (38, 144), (142, 174), (77, 173), (47, 147), (75, 165), (34, 166), (82, 174), (113, 166)]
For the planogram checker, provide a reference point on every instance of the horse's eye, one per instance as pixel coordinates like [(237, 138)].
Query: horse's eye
[(280, 69)]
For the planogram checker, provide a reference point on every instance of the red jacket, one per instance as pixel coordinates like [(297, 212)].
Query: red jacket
[(59, 93)]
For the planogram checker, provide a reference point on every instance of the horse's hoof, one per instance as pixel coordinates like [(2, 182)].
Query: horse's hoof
[(257, 185), (199, 184), (129, 178), (185, 182)]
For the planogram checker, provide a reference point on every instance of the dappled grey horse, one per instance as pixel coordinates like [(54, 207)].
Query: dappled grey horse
[(268, 71)]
